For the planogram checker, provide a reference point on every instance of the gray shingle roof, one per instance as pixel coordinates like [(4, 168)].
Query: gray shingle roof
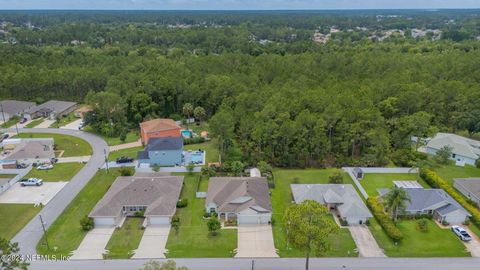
[(472, 185), (351, 205), (235, 194), (159, 193), (167, 143), (53, 106), (460, 145), (32, 148), (13, 107)]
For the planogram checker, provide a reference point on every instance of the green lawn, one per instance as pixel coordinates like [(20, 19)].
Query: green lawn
[(9, 123), (129, 152), (449, 172), (72, 146), (203, 187), (60, 172), (341, 244), (34, 123), (373, 181), (14, 216), (132, 136), (210, 147), (8, 176), (64, 121), (65, 233), (193, 239), (126, 239), (436, 242)]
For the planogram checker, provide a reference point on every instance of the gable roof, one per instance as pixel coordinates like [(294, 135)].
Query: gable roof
[(235, 194), (460, 145), (165, 143), (158, 193), (350, 203), (472, 185), (32, 148), (13, 107), (56, 106), (159, 124)]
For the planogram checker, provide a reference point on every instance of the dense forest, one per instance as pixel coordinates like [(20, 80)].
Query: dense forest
[(288, 100)]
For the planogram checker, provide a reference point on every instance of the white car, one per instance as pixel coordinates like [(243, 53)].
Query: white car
[(461, 233), (45, 167), (31, 182)]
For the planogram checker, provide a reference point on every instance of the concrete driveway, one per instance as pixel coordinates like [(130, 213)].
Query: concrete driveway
[(474, 245), (152, 245), (45, 124), (255, 241), (93, 245), (75, 125), (366, 244), (32, 194)]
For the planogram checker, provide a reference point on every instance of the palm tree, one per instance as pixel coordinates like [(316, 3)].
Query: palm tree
[(187, 110), (395, 201)]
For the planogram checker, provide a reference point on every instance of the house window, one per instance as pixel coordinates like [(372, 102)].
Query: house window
[(212, 209), (453, 155)]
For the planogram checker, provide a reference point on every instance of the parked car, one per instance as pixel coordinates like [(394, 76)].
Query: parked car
[(45, 167), (124, 160), (461, 233), (3, 137), (31, 182), (21, 166), (23, 120)]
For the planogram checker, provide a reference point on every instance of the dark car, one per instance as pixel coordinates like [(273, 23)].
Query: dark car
[(124, 160), (23, 120)]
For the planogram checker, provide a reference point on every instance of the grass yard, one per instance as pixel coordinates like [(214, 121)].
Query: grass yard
[(342, 244), (132, 136), (14, 216), (34, 123), (436, 242), (373, 181), (126, 239), (72, 146), (203, 187), (65, 233), (129, 152), (9, 123), (64, 121), (7, 176), (210, 147), (60, 172), (449, 172), (193, 239)]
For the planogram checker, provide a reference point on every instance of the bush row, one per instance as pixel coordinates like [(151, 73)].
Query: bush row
[(385, 221), (436, 181), (193, 140)]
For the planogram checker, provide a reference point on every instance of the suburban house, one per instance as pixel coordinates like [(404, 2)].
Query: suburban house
[(159, 128), (153, 195), (13, 108), (166, 151), (245, 199), (464, 150), (342, 199), (435, 202), (469, 187), (52, 109), (30, 151)]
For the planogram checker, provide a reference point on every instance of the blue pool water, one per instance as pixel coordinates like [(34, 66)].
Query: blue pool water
[(186, 133), (195, 157)]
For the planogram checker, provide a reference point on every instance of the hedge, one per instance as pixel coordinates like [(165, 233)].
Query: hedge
[(193, 140), (385, 221), (435, 181)]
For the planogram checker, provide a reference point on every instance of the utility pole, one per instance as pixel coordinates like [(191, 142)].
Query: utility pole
[(106, 160), (253, 264), (44, 231)]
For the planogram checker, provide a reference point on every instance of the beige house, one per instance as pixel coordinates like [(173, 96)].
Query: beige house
[(30, 151)]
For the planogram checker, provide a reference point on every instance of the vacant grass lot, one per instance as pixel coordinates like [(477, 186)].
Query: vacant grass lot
[(132, 136), (9, 123), (129, 152), (65, 233), (373, 181), (72, 146), (193, 239), (60, 172), (64, 121), (436, 242), (341, 244), (34, 123), (14, 216), (126, 239), (449, 172), (210, 147)]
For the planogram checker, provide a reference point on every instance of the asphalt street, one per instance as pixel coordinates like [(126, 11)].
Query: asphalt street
[(29, 236)]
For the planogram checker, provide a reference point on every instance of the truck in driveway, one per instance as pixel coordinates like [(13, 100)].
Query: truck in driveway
[(31, 182)]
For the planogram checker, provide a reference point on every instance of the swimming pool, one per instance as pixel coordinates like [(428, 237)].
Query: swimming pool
[(186, 133), (195, 157)]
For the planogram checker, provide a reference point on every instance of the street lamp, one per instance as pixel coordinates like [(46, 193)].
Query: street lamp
[(44, 231), (106, 160)]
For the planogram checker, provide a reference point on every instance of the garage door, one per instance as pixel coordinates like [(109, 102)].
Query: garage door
[(159, 220), (104, 221)]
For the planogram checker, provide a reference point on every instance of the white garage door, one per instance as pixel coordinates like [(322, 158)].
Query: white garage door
[(159, 220), (253, 219), (104, 221)]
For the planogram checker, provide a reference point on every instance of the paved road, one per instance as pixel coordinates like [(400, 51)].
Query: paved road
[(29, 236), (277, 264)]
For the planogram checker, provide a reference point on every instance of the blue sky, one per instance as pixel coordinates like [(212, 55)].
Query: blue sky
[(237, 4)]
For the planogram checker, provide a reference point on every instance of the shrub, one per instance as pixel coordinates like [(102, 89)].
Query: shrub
[(193, 140), (343, 222), (336, 177), (87, 223), (209, 171), (139, 213), (182, 203), (387, 224), (190, 167), (422, 225), (155, 167), (206, 214), (435, 181), (213, 225), (126, 171), (477, 163), (175, 222)]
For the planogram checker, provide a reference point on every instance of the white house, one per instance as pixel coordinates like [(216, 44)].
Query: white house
[(464, 150)]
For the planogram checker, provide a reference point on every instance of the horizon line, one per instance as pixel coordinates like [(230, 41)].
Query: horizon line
[(280, 9)]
